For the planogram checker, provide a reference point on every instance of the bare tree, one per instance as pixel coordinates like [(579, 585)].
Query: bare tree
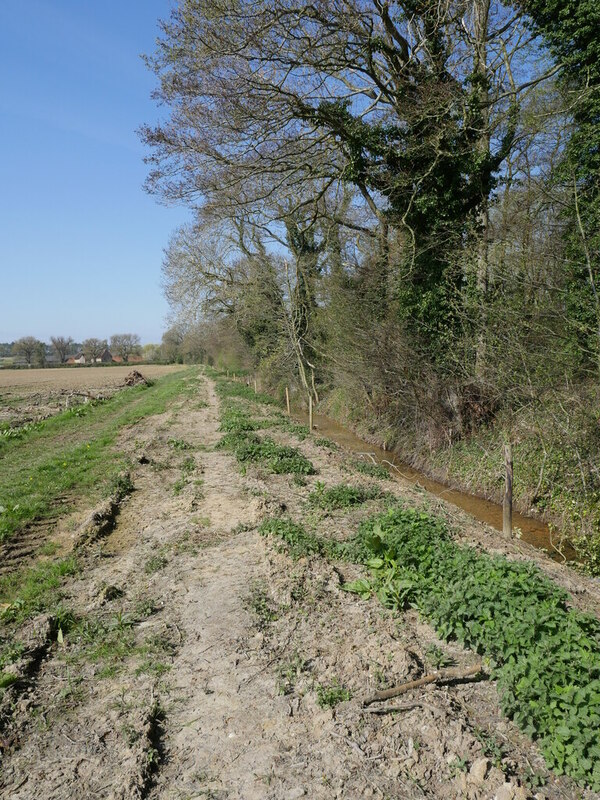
[(125, 344), (61, 346), (171, 343), (93, 348), (26, 347)]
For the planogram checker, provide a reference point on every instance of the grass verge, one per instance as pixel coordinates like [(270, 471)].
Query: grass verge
[(27, 592), (71, 453)]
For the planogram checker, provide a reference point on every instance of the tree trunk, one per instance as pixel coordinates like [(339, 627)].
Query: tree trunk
[(481, 10)]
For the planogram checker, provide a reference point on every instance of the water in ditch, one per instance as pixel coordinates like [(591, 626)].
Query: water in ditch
[(531, 530)]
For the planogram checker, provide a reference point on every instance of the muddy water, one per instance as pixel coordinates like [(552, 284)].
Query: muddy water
[(531, 530)]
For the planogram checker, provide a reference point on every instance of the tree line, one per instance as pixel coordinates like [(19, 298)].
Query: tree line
[(35, 352), (396, 207)]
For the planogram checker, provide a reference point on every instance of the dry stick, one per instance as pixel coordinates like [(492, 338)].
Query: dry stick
[(390, 709), (381, 710), (508, 491), (310, 413), (255, 387), (287, 400), (434, 677)]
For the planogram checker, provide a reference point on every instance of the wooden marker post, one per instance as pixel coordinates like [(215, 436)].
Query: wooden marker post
[(310, 413), (287, 400), (508, 491), (255, 389)]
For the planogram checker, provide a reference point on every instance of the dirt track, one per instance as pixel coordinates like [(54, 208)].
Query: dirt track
[(218, 697)]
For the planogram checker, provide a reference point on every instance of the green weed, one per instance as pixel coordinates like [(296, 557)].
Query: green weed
[(372, 470), (288, 673), (262, 606), (188, 466), (279, 459), (299, 543), (343, 496), (231, 389), (331, 694), (10, 653), (155, 563), (49, 548), (436, 657), (179, 486), (7, 679), (109, 642), (120, 486), (179, 444), (492, 747), (36, 590), (323, 442), (458, 765), (236, 420), (293, 428)]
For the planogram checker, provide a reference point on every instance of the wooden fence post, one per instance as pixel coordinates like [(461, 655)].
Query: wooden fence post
[(508, 490), (310, 413), (287, 400)]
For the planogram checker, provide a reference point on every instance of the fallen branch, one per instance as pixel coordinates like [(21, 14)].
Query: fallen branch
[(391, 709), (381, 710), (435, 677)]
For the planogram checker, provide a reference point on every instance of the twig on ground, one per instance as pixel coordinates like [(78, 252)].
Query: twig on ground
[(457, 673)]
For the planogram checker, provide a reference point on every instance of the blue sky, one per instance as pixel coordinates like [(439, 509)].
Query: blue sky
[(80, 241)]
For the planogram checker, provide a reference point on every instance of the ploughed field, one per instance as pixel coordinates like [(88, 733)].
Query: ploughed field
[(31, 394), (199, 598)]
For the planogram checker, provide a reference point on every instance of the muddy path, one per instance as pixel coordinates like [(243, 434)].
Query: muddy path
[(201, 662)]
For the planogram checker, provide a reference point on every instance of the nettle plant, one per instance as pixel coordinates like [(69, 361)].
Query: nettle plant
[(545, 656), (343, 496)]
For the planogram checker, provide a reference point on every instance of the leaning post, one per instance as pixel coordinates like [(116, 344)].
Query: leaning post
[(508, 490), (287, 400)]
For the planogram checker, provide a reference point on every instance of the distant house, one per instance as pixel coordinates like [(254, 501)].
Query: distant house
[(105, 357), (132, 358)]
